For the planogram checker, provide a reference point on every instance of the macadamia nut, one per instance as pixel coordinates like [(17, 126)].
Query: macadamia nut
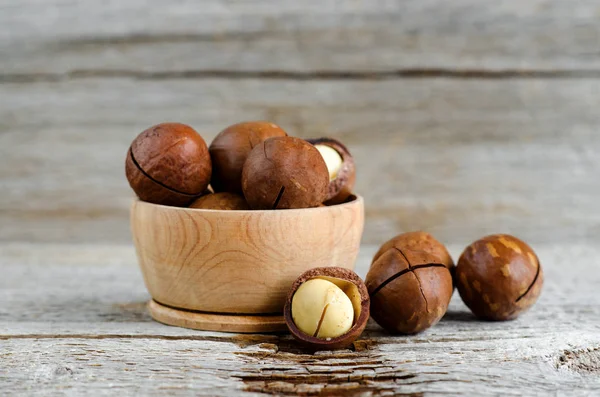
[(284, 173), (499, 277), (321, 309)]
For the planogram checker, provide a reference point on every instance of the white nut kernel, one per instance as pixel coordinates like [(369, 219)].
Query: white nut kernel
[(321, 309), (332, 158)]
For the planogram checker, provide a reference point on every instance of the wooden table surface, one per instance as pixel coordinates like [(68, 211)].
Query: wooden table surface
[(73, 322), (465, 118)]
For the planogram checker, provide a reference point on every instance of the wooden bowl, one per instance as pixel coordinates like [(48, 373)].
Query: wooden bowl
[(215, 264)]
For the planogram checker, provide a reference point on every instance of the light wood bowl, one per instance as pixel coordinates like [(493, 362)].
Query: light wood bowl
[(216, 264)]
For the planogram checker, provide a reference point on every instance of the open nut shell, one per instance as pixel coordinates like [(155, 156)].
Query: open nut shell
[(342, 186), (360, 321)]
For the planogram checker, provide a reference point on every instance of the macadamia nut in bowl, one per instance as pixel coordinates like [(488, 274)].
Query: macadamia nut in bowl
[(168, 164), (285, 173), (230, 149)]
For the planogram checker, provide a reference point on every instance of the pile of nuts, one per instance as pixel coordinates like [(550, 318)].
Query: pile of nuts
[(409, 286), (257, 166), (251, 165)]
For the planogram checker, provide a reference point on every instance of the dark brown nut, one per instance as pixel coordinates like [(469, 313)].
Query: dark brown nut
[(410, 290), (168, 164), (229, 151), (327, 308), (341, 167), (284, 173), (499, 277), (419, 241), (221, 201)]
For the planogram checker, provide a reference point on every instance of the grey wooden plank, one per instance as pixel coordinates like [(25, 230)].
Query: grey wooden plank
[(62, 36), (147, 367), (60, 333), (457, 158)]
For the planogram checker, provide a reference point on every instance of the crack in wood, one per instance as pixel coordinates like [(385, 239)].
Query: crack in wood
[(323, 384), (349, 373), (326, 377), (168, 38), (331, 360), (358, 75), (583, 361), (240, 340)]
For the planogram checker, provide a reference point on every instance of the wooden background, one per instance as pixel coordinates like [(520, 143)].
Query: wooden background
[(464, 118)]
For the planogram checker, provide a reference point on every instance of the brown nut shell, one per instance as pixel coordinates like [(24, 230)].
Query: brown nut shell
[(230, 149), (284, 173), (499, 277), (361, 308), (168, 164), (343, 185), (418, 241), (221, 201), (410, 290)]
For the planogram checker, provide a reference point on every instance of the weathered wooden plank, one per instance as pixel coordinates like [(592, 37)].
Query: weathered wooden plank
[(149, 367), (458, 158), (71, 322), (56, 37)]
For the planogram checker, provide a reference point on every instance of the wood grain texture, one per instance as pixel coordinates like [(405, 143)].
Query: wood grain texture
[(193, 259), (239, 323), (66, 38), (73, 321), (465, 119), (459, 158)]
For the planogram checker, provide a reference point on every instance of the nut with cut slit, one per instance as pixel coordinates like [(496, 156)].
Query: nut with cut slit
[(284, 173), (341, 167), (168, 164), (419, 241), (410, 290), (230, 149), (327, 308), (499, 277)]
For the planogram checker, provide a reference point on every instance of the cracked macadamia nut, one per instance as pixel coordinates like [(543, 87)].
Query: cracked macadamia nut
[(342, 171), (284, 173), (321, 309), (221, 201), (230, 149), (327, 308), (410, 290), (499, 277), (419, 241), (168, 164)]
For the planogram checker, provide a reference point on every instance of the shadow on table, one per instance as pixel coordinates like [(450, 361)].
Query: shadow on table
[(459, 316)]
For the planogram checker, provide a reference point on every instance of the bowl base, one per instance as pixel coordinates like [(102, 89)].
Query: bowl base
[(238, 323)]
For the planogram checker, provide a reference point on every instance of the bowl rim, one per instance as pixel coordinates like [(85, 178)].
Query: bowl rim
[(356, 200)]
